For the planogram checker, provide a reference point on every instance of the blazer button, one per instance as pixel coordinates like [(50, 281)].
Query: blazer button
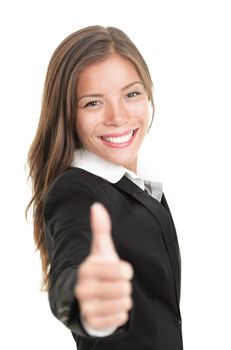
[(178, 321)]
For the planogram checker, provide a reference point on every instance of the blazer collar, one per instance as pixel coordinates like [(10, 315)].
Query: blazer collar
[(158, 210), (112, 172)]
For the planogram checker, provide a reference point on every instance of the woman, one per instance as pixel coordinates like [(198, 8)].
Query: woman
[(108, 244)]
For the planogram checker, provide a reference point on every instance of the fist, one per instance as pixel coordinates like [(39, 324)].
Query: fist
[(104, 280)]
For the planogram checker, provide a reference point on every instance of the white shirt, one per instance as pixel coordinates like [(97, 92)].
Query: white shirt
[(113, 173)]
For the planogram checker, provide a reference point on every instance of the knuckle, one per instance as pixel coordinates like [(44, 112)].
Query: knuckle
[(129, 288), (131, 304), (127, 269), (128, 303), (123, 317)]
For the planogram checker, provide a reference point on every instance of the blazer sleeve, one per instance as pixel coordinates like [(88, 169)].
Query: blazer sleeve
[(68, 241)]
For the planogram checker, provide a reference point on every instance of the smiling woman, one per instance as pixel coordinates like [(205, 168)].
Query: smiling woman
[(112, 270), (113, 113)]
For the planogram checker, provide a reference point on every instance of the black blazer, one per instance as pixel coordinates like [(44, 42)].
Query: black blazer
[(144, 235)]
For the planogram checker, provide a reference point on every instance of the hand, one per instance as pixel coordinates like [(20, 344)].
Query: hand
[(104, 280)]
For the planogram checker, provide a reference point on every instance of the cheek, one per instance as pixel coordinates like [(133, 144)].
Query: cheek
[(86, 125), (142, 111), (145, 116), (81, 126)]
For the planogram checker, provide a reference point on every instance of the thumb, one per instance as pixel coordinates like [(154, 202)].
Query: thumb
[(102, 244)]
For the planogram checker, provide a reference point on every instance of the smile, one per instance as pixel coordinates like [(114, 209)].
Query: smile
[(119, 141)]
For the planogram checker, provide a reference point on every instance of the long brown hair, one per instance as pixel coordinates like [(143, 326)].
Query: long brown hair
[(56, 138)]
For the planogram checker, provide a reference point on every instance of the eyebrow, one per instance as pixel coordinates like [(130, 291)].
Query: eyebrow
[(101, 95)]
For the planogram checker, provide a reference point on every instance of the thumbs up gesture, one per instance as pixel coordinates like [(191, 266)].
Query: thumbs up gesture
[(104, 281)]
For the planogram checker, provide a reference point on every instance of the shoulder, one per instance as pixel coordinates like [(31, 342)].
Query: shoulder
[(78, 184), (75, 177)]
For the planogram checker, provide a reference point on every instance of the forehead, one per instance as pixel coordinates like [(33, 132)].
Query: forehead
[(113, 71)]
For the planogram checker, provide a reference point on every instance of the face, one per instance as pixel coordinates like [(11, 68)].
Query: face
[(113, 111)]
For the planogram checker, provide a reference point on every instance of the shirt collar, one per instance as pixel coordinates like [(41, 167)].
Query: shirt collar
[(101, 167), (113, 172)]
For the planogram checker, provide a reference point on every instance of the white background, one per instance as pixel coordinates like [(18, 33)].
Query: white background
[(187, 47)]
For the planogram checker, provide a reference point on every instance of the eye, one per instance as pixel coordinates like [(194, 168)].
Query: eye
[(92, 104), (133, 94)]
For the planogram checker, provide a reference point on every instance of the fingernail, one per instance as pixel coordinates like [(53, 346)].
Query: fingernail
[(96, 204)]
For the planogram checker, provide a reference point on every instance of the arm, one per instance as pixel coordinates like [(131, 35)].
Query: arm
[(66, 214)]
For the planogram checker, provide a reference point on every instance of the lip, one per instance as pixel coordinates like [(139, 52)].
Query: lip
[(118, 134), (122, 144)]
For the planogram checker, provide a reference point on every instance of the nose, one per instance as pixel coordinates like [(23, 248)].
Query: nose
[(116, 114)]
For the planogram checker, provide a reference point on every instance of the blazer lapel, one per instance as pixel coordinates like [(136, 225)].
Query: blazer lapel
[(174, 248), (158, 210)]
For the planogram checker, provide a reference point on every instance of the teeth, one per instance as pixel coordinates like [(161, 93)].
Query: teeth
[(121, 139)]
